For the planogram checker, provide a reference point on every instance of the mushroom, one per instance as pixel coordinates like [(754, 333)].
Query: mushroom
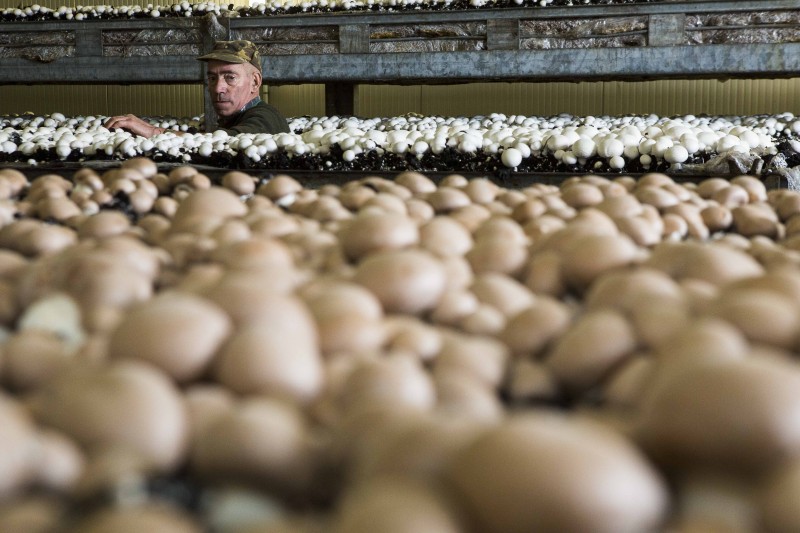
[(717, 399), (128, 405), (396, 505), (179, 333), (545, 472), (406, 281)]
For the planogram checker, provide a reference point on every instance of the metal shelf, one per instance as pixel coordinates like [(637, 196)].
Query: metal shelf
[(668, 39)]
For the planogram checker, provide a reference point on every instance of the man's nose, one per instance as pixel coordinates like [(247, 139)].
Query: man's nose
[(217, 86)]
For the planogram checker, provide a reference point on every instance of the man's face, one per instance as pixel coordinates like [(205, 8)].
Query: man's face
[(231, 86)]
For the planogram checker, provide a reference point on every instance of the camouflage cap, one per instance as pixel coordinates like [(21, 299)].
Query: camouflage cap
[(234, 52)]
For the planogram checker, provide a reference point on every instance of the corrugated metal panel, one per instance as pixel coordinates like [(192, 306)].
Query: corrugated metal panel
[(663, 97), (513, 98), (46, 99), (387, 100), (150, 100), (675, 97), (156, 100), (298, 100)]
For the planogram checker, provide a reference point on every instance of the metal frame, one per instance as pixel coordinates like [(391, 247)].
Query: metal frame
[(665, 55)]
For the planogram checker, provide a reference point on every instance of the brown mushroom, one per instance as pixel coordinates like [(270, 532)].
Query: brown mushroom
[(406, 281), (127, 405), (396, 505), (179, 333), (543, 472), (371, 232), (718, 398), (261, 442), (588, 351)]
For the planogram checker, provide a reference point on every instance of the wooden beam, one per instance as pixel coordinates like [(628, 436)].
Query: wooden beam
[(354, 39), (666, 30), (502, 34), (89, 41)]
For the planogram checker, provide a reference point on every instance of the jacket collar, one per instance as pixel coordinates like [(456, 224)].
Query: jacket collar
[(252, 103)]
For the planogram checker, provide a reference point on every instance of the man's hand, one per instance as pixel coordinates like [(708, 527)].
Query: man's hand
[(133, 124)]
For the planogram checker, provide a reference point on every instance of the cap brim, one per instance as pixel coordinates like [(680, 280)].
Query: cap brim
[(227, 58)]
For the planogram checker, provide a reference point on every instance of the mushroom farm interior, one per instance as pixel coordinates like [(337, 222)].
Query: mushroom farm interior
[(505, 246)]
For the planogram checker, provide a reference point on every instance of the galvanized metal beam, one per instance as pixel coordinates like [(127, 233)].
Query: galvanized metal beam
[(164, 69), (713, 61)]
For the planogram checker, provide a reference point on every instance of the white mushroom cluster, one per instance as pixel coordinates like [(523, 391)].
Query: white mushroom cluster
[(484, 143), (262, 7), (103, 11)]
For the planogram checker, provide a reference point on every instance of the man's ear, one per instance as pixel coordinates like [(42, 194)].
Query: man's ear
[(256, 79)]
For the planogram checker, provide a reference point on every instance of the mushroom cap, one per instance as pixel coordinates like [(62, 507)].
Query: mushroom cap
[(740, 414), (396, 505), (777, 500), (405, 281), (179, 333), (371, 231), (126, 405), (157, 518), (543, 472), (18, 437)]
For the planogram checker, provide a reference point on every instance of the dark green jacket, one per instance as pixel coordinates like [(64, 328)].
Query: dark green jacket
[(258, 117)]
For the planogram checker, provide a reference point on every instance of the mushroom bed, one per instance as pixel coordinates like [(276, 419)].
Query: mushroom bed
[(694, 145), (35, 12), (397, 355)]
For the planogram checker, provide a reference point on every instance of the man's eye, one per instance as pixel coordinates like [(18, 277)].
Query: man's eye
[(230, 79)]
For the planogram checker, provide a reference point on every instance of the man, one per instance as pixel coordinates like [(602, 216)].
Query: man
[(234, 79)]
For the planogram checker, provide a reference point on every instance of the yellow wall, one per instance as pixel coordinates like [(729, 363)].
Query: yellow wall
[(149, 100), (664, 97)]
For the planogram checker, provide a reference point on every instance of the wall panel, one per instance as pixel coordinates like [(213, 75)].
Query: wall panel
[(150, 100), (298, 100), (388, 100), (156, 100), (47, 99), (732, 97), (513, 98), (663, 97)]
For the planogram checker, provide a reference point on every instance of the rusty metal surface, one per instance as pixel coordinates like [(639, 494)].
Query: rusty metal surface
[(156, 42), (42, 47), (292, 40), (744, 28)]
